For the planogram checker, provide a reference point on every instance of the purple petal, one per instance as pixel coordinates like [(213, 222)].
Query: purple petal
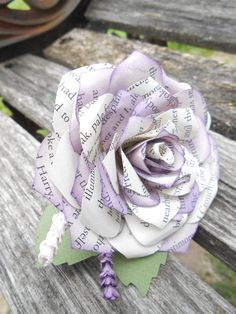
[(135, 68)]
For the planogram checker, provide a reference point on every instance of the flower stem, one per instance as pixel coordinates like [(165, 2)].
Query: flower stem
[(108, 277)]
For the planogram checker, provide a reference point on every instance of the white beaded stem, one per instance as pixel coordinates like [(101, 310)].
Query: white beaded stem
[(49, 247)]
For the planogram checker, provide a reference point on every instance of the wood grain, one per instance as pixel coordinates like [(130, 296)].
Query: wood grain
[(29, 84), (31, 81), (216, 81), (202, 23), (72, 289)]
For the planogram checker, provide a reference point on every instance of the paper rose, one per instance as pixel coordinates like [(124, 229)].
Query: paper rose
[(130, 162)]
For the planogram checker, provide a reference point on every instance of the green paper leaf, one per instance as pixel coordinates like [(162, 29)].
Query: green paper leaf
[(139, 271), (4, 109), (18, 5), (65, 253)]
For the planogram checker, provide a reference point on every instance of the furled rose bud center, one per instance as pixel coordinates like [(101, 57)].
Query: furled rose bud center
[(160, 152)]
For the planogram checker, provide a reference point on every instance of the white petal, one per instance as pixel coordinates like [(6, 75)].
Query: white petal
[(101, 219), (144, 87), (109, 163), (81, 236), (65, 98), (126, 244), (44, 160), (91, 124), (130, 179), (159, 215), (63, 170), (204, 201), (184, 120), (147, 234)]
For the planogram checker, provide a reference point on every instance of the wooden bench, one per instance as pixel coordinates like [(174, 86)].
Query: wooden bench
[(29, 84)]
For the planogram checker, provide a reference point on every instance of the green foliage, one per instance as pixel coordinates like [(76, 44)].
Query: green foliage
[(117, 33), (4, 109), (190, 49), (42, 132), (223, 280), (227, 284), (18, 5)]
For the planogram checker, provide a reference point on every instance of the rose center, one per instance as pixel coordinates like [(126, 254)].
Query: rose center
[(160, 151)]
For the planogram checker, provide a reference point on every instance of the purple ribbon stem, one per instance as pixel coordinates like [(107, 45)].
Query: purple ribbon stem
[(108, 277)]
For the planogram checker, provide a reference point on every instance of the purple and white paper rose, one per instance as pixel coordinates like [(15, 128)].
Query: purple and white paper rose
[(130, 163)]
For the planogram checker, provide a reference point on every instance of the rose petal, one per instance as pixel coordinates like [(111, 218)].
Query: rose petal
[(147, 234), (135, 68), (199, 146), (145, 87), (159, 215), (116, 116), (185, 122), (180, 240), (126, 244), (45, 157), (137, 156), (110, 197), (91, 125), (65, 98), (82, 237), (204, 201), (172, 85), (160, 100), (81, 177), (188, 201), (86, 94), (63, 169), (94, 214), (130, 178), (141, 200), (135, 127), (161, 180), (93, 84), (194, 100), (109, 163)]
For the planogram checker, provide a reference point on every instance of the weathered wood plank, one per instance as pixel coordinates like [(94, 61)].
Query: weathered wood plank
[(217, 231), (72, 289), (216, 81), (214, 234), (30, 83), (209, 23)]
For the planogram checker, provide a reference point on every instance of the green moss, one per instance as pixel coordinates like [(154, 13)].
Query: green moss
[(190, 49), (4, 109), (118, 33), (42, 132)]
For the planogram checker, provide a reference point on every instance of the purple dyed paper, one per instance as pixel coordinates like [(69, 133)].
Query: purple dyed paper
[(131, 162)]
